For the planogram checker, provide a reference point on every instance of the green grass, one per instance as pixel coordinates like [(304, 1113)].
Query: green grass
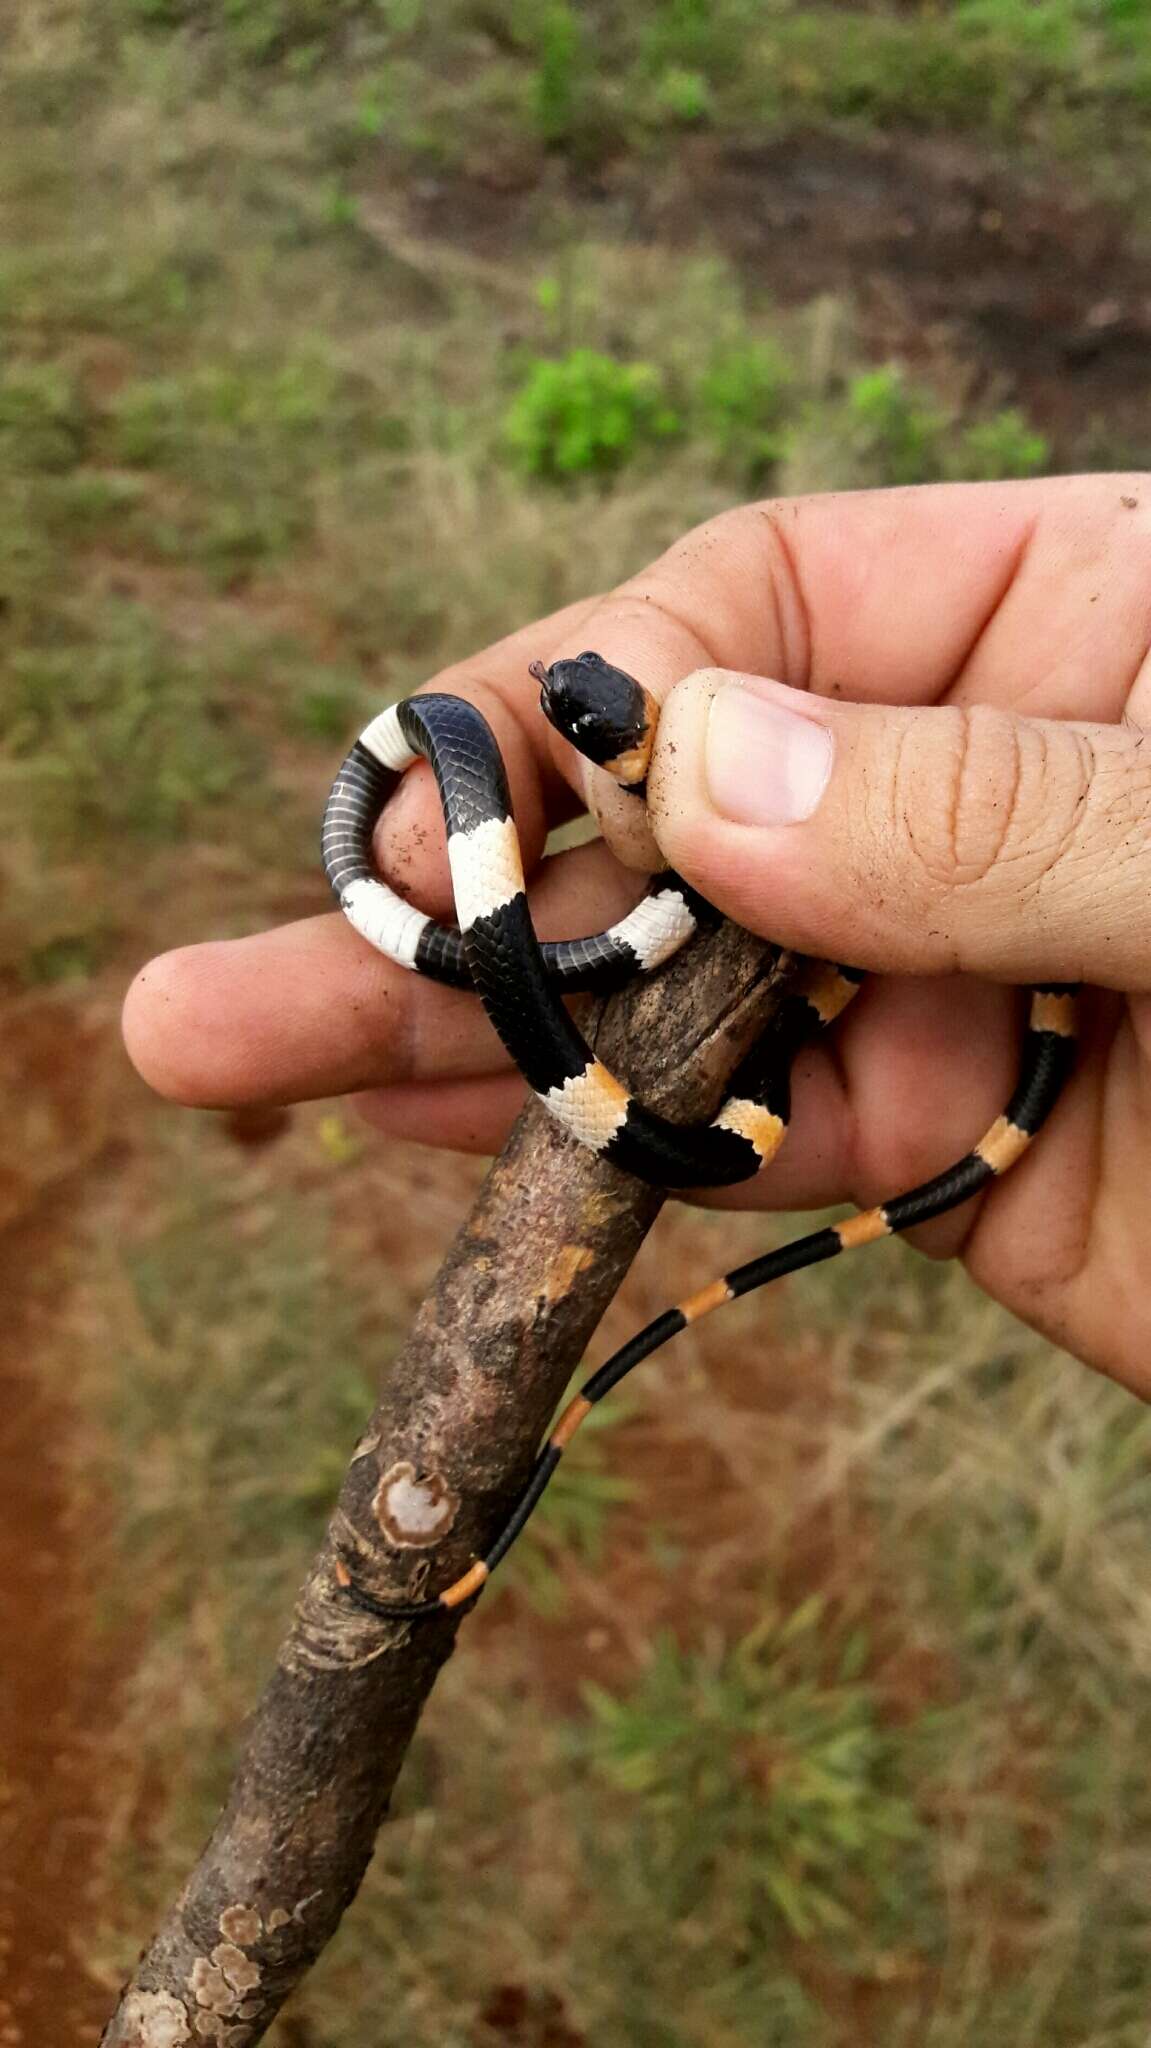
[(448, 84), (860, 1610), (585, 414), (573, 1519), (792, 1782), (116, 733)]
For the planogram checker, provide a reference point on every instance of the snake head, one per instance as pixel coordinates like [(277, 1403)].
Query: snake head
[(604, 712)]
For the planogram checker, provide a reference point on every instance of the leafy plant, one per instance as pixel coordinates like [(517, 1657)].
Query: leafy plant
[(741, 403), (587, 414), (895, 430), (683, 96), (1007, 445), (558, 77)]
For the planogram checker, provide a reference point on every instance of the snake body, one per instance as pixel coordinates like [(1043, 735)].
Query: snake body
[(611, 719)]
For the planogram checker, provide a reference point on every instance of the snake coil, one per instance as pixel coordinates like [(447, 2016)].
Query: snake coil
[(611, 719)]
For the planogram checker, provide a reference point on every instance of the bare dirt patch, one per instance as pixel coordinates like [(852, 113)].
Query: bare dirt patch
[(55, 1705)]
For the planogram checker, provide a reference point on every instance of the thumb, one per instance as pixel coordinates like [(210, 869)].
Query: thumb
[(914, 841)]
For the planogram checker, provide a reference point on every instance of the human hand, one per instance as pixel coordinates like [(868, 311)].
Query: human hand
[(969, 805)]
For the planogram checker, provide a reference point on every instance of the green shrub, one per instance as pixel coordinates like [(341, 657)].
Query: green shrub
[(683, 96), (1007, 445), (587, 414), (896, 432), (559, 75), (740, 406)]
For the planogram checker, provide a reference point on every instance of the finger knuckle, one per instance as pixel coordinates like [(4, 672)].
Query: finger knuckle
[(732, 584), (662, 603)]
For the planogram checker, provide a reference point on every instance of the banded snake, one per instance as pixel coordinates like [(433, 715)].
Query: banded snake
[(611, 719)]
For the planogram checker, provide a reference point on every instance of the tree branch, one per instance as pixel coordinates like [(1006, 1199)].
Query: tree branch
[(446, 1453)]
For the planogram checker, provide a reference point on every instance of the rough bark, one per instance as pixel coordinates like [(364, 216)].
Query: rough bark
[(549, 1239)]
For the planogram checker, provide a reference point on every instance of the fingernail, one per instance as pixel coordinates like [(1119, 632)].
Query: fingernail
[(766, 765)]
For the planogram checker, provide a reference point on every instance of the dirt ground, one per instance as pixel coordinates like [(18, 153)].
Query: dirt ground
[(947, 255), (57, 1696)]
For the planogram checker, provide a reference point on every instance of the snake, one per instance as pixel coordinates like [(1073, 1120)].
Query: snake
[(611, 719)]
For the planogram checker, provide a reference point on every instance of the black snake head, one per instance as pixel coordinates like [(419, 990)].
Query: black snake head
[(605, 713)]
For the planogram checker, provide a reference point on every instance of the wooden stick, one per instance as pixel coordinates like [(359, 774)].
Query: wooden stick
[(548, 1241)]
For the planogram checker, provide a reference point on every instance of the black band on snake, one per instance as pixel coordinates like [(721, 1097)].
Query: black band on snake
[(611, 719)]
